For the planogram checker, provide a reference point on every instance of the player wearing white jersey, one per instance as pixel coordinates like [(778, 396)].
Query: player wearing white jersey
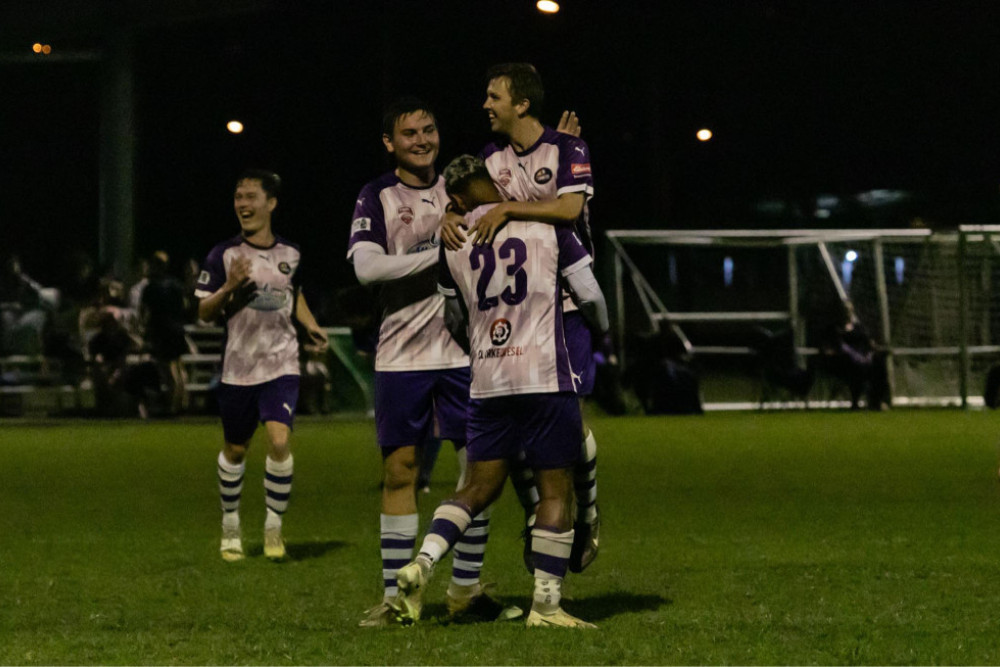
[(251, 281), (421, 374), (523, 390), (545, 176)]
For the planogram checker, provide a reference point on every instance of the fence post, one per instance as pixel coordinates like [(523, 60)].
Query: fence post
[(963, 324)]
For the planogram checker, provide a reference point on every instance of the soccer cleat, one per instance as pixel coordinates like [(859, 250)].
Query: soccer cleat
[(474, 603), (559, 619), (232, 545), (411, 579), (379, 616), (586, 536), (274, 544)]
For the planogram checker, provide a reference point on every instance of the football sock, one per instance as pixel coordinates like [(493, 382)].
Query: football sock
[(550, 552), (399, 535), (585, 480), (230, 483), (451, 519), (277, 488), (470, 550)]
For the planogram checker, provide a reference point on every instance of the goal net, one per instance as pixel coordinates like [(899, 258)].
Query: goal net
[(927, 299)]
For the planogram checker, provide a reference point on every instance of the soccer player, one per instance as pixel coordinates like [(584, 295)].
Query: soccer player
[(543, 175), (252, 282), (523, 396), (420, 372)]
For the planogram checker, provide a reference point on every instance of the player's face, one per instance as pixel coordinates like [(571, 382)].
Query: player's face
[(414, 141), (252, 205), (499, 106)]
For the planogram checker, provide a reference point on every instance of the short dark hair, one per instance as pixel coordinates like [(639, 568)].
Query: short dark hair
[(270, 182), (462, 171), (525, 84), (400, 107)]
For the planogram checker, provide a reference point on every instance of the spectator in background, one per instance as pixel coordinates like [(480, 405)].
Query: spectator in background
[(135, 292), (119, 388), (163, 315), (24, 310), (859, 360)]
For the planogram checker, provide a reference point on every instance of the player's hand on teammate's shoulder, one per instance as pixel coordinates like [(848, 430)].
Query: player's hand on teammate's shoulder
[(489, 224), (569, 123), (453, 231)]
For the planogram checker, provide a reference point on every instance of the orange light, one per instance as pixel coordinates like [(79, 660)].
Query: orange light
[(704, 134), (234, 126), (547, 6), (46, 49), (36, 47)]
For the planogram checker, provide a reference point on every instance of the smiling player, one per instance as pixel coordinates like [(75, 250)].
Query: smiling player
[(251, 281)]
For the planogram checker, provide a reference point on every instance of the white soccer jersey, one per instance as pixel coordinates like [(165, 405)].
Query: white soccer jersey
[(557, 164), (511, 291), (261, 343), (396, 219)]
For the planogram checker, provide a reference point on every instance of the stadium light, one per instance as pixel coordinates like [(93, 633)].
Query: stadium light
[(36, 47), (704, 134), (851, 256), (547, 6), (234, 126)]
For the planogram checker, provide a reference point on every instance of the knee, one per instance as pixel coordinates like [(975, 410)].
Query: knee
[(400, 473), (235, 453)]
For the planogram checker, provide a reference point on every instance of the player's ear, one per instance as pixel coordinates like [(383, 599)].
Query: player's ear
[(522, 107), (272, 203), (457, 205), (387, 141)]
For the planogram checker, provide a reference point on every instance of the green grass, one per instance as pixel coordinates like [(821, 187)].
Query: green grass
[(828, 538)]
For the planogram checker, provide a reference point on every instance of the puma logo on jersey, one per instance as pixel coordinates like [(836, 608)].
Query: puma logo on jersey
[(361, 201), (286, 406), (580, 148)]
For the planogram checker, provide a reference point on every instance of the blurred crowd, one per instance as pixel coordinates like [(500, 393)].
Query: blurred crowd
[(95, 331)]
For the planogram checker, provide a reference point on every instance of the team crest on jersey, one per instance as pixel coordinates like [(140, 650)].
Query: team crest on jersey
[(503, 177), (285, 268), (500, 331), (543, 176), (203, 278), (405, 214), (361, 225)]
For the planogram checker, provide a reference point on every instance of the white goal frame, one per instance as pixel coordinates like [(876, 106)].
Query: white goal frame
[(628, 276)]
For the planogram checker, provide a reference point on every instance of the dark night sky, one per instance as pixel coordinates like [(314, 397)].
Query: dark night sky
[(804, 98)]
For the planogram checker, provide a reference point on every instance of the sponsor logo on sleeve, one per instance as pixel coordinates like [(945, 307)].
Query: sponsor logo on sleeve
[(543, 176), (504, 176), (203, 278), (405, 214), (579, 170), (361, 225)]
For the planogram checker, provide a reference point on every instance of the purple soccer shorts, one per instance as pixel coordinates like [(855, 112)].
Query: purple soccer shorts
[(548, 427), (243, 407), (406, 403)]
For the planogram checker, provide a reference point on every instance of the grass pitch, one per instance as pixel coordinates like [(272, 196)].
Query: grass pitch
[(829, 538)]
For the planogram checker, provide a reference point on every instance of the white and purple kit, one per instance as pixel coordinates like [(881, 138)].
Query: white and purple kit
[(420, 371), (523, 387), (260, 362), (557, 164)]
